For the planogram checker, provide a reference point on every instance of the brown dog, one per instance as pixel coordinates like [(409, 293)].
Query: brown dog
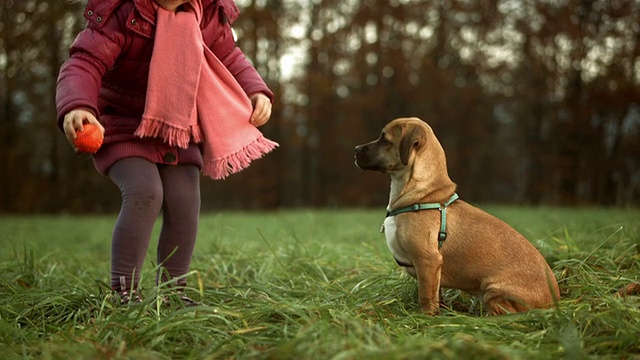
[(479, 253)]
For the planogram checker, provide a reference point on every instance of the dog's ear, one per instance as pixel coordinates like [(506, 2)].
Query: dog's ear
[(413, 137)]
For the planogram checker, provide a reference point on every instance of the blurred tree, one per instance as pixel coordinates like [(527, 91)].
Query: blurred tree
[(578, 82), (534, 101), (31, 33)]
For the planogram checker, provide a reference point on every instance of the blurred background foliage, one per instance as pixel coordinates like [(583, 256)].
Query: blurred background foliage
[(535, 101)]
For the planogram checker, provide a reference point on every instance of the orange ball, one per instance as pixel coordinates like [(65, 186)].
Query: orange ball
[(89, 139)]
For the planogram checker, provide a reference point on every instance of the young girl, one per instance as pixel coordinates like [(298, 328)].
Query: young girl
[(106, 81)]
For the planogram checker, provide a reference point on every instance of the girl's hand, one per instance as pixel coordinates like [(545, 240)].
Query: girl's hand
[(73, 122), (261, 109)]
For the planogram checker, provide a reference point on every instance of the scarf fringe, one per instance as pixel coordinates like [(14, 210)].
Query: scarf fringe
[(218, 169), (172, 135)]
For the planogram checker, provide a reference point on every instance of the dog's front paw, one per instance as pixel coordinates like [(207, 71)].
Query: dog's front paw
[(431, 308)]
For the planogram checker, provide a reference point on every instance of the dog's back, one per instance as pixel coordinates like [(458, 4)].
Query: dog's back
[(503, 269)]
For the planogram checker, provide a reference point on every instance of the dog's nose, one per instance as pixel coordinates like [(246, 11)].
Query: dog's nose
[(359, 154)]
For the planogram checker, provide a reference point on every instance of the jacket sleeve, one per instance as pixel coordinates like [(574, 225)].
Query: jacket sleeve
[(91, 55), (224, 47)]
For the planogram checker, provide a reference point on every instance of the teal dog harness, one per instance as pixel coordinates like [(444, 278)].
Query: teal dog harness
[(442, 235)]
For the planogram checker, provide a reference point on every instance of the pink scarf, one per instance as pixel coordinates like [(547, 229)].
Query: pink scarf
[(192, 97)]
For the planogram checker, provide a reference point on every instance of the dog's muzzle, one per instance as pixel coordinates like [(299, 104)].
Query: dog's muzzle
[(362, 158)]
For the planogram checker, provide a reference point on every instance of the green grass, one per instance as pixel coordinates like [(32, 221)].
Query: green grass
[(310, 284)]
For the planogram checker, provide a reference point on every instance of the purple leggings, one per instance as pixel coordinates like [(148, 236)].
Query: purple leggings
[(148, 188)]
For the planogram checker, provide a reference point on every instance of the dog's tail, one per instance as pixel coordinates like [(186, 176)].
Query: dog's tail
[(631, 289)]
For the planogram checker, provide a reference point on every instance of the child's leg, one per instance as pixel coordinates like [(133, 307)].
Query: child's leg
[(141, 188), (180, 215)]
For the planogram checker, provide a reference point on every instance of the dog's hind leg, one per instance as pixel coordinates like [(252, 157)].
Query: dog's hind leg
[(498, 303), (631, 289)]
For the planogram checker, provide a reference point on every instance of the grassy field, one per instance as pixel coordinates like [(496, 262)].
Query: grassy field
[(310, 285)]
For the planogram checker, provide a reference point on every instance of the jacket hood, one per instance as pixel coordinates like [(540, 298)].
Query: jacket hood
[(98, 11)]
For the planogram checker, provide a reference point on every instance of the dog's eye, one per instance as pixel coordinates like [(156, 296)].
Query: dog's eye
[(383, 141)]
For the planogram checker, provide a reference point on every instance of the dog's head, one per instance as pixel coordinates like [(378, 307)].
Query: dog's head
[(396, 148)]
